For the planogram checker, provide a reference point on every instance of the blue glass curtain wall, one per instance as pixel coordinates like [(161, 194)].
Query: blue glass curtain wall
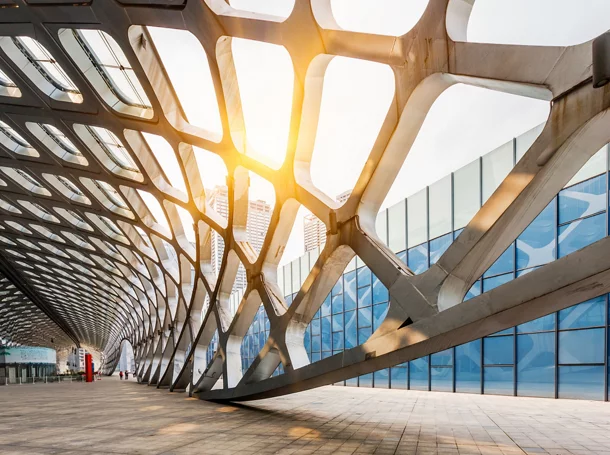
[(561, 355)]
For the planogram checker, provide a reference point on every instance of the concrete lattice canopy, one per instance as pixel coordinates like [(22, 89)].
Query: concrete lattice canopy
[(91, 263)]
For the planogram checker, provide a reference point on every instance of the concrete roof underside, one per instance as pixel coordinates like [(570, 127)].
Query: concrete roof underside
[(85, 261)]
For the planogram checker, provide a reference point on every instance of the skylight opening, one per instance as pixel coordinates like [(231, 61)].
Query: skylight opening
[(112, 194), (25, 180), (265, 79), (47, 233), (41, 67), (195, 87), (13, 141), (537, 22), (166, 157), (57, 142), (379, 17), (73, 218), (8, 87), (113, 147), (67, 188), (351, 116), (113, 66), (39, 211), (280, 9), (105, 65), (6, 81), (154, 207)]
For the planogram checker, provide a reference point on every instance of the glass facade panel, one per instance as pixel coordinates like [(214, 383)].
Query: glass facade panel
[(499, 350), (466, 194), (438, 246), (417, 258), (505, 263), (440, 207), (581, 233), (581, 382), (417, 214), (399, 377), (595, 166), (418, 374), (581, 346), (499, 380), (397, 227), (582, 200), (536, 365), (441, 379), (525, 141), (591, 313), (536, 244), (538, 325), (496, 166), (381, 226), (468, 367)]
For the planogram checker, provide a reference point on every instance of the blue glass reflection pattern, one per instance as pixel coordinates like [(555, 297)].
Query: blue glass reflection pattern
[(583, 199), (581, 346), (499, 350), (438, 246), (417, 258), (418, 374), (582, 382), (536, 365), (498, 380), (581, 233), (468, 367), (505, 263), (255, 338), (536, 244), (591, 313)]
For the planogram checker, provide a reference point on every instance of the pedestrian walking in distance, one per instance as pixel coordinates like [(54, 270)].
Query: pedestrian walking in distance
[(121, 375)]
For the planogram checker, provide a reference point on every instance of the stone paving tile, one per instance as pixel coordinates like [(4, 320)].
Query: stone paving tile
[(116, 417)]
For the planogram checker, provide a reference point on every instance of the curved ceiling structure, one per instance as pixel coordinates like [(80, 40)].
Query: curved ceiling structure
[(105, 217)]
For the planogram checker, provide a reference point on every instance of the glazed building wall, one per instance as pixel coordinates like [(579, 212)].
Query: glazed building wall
[(562, 355)]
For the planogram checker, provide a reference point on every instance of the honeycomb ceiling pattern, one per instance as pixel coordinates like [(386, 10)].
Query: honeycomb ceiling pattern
[(106, 224)]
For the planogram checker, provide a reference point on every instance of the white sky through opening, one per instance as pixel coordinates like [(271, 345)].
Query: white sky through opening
[(463, 124)]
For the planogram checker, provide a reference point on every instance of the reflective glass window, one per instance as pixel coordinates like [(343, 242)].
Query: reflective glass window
[(379, 313), (536, 244), (441, 379), (380, 292), (505, 263), (587, 314), (581, 382), (438, 246), (494, 282), (382, 378), (595, 166), (397, 227), (417, 258), (474, 291), (113, 147), (366, 380), (496, 166), (536, 365), (499, 350), (439, 195), (581, 346), (498, 380), (418, 374), (468, 367), (538, 325), (466, 193), (349, 296), (581, 233), (417, 214), (351, 330), (399, 376), (583, 199)]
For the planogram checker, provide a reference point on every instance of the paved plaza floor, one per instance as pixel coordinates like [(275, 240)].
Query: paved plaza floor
[(123, 417)]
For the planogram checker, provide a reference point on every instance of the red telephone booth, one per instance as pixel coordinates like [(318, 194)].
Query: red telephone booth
[(88, 368)]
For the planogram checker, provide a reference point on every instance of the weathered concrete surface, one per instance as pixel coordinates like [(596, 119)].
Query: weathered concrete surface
[(123, 417)]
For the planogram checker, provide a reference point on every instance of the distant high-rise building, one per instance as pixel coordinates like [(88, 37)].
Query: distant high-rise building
[(314, 230), (344, 196), (259, 217)]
